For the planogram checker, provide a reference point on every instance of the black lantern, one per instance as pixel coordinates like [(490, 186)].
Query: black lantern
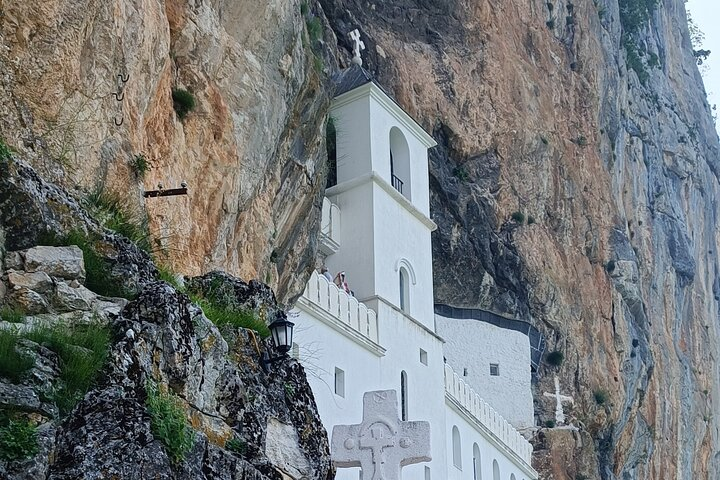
[(282, 336)]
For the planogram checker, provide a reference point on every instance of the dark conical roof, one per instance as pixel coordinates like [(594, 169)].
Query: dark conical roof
[(350, 79)]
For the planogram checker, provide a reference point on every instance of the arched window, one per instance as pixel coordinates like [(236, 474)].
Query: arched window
[(512, 476), (496, 470), (331, 146), (399, 162), (404, 290), (477, 473), (457, 448), (403, 396)]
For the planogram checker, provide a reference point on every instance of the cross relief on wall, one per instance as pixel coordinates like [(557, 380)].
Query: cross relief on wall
[(381, 444)]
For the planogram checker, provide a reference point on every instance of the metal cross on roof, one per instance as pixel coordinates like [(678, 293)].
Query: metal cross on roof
[(359, 45)]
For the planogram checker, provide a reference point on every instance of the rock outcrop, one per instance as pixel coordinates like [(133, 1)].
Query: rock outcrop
[(244, 424)]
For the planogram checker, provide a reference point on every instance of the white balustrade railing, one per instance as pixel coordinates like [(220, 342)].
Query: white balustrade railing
[(343, 307), (476, 407), (329, 223)]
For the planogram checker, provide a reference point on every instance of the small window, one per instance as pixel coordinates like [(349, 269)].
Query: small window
[(457, 459), (339, 382), (404, 290), (427, 473), (465, 372), (495, 369), (403, 396), (423, 357)]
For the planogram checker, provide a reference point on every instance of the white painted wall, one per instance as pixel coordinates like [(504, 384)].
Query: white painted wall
[(322, 348), (474, 345), (488, 452)]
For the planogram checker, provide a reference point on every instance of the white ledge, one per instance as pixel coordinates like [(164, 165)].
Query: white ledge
[(382, 183)]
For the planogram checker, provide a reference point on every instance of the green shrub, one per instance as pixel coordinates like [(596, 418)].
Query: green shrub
[(550, 24), (580, 141), (530, 219), (236, 445), (314, 28), (12, 315), (461, 174), (304, 8), (5, 151), (83, 352), (555, 358), (550, 423), (183, 102), (140, 165), (519, 217), (115, 214), (601, 396), (168, 423), (18, 438), (13, 364)]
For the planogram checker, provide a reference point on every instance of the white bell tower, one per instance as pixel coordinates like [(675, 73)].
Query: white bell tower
[(382, 192)]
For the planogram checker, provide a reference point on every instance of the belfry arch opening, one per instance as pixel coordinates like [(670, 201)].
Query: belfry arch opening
[(400, 162)]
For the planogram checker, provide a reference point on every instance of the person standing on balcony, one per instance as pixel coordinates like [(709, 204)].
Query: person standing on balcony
[(341, 282), (324, 272)]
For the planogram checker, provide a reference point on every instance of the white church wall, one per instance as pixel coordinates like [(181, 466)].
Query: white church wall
[(489, 452), (471, 346), (357, 253), (402, 237), (403, 340), (353, 137), (383, 121)]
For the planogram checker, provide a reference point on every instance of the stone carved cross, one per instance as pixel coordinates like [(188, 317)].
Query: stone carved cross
[(560, 399), (359, 45), (381, 444)]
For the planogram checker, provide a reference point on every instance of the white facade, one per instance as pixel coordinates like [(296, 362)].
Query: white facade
[(510, 389), (380, 237)]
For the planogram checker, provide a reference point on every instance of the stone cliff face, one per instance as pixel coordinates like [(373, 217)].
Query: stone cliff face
[(575, 183), (251, 151), (575, 186)]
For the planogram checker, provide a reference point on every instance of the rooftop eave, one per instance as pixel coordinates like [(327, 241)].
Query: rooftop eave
[(373, 91)]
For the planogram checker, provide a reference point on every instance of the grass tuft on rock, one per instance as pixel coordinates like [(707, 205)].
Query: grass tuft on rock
[(601, 397), (18, 437), (168, 423), (140, 165), (5, 151), (12, 315), (13, 364), (83, 351), (223, 315), (113, 213)]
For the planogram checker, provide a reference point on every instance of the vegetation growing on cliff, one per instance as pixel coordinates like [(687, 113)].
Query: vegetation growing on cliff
[(634, 15), (168, 423), (18, 437)]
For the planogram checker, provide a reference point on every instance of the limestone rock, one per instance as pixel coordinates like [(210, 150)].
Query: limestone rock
[(68, 299), (29, 301), (63, 262), (40, 282), (283, 450)]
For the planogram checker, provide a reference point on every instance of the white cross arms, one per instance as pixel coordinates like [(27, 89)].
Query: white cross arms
[(358, 47), (382, 444), (560, 399)]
